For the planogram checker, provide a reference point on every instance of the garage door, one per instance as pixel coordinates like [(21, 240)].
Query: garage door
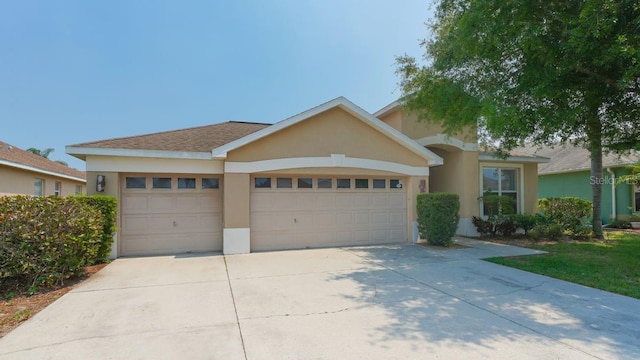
[(169, 214), (307, 212)]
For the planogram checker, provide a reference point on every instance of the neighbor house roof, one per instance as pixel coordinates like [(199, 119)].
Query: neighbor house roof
[(514, 155), (17, 158), (570, 158), (201, 139)]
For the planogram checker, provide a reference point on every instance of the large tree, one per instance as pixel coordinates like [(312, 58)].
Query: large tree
[(540, 71)]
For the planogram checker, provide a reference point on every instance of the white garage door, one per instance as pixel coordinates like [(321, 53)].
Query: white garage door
[(306, 212), (169, 214)]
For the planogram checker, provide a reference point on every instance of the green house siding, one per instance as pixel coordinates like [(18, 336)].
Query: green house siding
[(578, 184)]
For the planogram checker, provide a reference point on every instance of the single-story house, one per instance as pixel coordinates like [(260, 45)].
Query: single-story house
[(333, 175), (568, 173), (24, 173)]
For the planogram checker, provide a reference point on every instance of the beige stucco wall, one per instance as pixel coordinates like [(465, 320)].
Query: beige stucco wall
[(236, 201), (530, 175), (419, 129), (393, 119), (331, 132), (459, 174), (17, 181)]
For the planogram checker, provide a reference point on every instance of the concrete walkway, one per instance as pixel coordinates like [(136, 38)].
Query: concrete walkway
[(377, 302)]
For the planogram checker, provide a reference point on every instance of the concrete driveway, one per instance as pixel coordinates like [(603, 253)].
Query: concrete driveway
[(378, 302)]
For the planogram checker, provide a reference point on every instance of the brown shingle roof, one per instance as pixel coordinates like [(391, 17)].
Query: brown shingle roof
[(18, 156), (196, 139), (568, 158)]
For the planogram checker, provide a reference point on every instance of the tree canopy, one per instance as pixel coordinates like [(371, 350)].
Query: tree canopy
[(541, 71)]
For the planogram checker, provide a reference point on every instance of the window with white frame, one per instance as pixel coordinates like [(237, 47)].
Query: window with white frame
[(78, 189), (57, 191), (38, 187), (501, 181)]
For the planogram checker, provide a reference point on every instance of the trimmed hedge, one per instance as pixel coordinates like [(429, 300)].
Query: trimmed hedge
[(108, 206), (571, 213), (438, 217), (44, 241)]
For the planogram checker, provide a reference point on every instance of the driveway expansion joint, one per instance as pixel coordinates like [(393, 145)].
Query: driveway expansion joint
[(235, 308)]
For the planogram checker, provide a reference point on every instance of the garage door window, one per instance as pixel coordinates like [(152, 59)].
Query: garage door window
[(284, 183), (262, 183), (186, 183), (344, 183), (305, 183), (362, 183), (379, 183), (395, 184), (136, 182), (210, 183), (161, 183), (325, 183)]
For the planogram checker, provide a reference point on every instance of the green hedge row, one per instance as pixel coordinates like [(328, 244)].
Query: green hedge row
[(438, 217), (45, 240)]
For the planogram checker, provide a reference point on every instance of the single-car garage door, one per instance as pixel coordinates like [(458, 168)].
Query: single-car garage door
[(169, 214), (290, 212)]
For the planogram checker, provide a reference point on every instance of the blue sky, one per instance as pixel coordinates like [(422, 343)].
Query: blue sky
[(77, 71)]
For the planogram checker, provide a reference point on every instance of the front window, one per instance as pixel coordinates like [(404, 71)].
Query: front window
[(58, 189), (502, 182), (78, 189), (38, 187)]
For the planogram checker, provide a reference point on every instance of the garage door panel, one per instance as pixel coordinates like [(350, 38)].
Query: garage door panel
[(299, 218), (135, 203), (398, 201), (167, 221)]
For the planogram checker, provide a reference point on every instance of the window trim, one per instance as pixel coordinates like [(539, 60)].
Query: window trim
[(78, 190), (519, 188), (57, 188), (41, 187)]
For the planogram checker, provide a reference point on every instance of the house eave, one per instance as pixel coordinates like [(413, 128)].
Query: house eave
[(40, 171)]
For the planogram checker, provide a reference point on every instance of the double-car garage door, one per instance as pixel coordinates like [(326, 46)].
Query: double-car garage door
[(293, 212), (168, 214)]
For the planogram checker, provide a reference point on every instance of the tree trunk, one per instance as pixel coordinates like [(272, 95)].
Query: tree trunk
[(595, 149)]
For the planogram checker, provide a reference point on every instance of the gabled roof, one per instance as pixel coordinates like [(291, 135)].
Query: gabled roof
[(387, 109), (570, 158), (17, 158), (346, 105), (180, 143)]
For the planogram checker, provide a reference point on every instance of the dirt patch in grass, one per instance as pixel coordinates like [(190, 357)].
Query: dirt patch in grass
[(21, 306)]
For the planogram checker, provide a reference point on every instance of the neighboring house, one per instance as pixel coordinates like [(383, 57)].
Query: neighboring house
[(569, 174), (24, 173), (333, 175)]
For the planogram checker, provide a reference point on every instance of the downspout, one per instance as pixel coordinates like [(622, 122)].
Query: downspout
[(613, 193)]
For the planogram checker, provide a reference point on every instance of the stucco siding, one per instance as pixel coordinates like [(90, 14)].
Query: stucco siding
[(578, 184), (17, 181), (459, 175), (331, 132)]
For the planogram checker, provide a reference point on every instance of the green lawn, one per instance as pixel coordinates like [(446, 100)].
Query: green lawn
[(613, 265)]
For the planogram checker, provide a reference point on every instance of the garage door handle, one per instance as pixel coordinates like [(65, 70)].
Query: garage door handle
[(175, 223)]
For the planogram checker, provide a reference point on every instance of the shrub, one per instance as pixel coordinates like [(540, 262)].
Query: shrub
[(546, 231), (569, 212), (495, 205), (438, 217), (44, 241), (525, 222), (506, 226), (483, 227), (620, 224), (108, 207)]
